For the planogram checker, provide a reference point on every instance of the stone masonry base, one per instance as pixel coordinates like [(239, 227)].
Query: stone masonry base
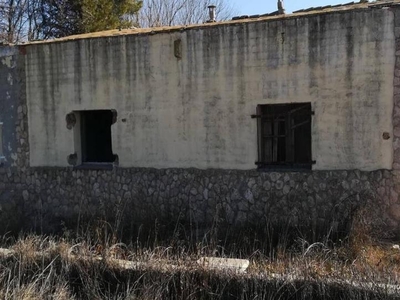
[(46, 199)]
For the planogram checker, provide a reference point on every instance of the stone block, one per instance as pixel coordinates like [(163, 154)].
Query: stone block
[(395, 212), (224, 264), (396, 81)]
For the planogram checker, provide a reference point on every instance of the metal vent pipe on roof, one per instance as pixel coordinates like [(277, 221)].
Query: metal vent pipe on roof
[(281, 7), (212, 13)]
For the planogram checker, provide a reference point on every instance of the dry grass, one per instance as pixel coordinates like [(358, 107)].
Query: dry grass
[(56, 268), (96, 265)]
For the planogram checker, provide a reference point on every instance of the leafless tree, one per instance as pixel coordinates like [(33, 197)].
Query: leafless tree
[(20, 20), (26, 20), (12, 20), (155, 13)]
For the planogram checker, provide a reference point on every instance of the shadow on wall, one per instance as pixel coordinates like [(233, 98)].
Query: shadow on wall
[(11, 212)]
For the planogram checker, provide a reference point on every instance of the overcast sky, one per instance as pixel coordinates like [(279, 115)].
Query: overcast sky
[(255, 7)]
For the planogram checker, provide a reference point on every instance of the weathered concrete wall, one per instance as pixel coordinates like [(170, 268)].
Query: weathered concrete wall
[(348, 117), (9, 86), (195, 111)]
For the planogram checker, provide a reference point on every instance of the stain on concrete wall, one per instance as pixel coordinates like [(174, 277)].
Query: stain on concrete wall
[(195, 111)]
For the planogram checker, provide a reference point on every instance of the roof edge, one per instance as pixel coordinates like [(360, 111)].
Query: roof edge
[(263, 18)]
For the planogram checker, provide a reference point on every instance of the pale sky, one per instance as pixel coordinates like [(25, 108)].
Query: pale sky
[(259, 7)]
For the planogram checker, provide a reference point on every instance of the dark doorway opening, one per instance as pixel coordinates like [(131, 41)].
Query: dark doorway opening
[(96, 136)]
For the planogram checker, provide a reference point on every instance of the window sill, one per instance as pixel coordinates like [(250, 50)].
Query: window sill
[(284, 167), (95, 166)]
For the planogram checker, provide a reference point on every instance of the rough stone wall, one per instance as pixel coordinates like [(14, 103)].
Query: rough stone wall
[(9, 87), (396, 96), (393, 206), (235, 197), (201, 197), (13, 114)]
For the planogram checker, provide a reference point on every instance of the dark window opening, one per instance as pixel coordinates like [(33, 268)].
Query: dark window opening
[(284, 135), (96, 136)]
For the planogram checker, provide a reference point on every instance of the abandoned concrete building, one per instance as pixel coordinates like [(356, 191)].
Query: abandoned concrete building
[(287, 118)]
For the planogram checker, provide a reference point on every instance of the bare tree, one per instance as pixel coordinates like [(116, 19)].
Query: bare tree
[(3, 22), (12, 20), (20, 20), (155, 13), (26, 20)]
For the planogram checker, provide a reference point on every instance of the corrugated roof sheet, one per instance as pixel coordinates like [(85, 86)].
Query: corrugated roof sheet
[(236, 20)]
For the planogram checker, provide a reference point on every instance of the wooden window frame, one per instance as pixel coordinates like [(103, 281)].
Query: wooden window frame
[(281, 138)]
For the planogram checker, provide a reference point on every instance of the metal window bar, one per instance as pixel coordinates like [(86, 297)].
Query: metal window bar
[(272, 137), (289, 139), (299, 124)]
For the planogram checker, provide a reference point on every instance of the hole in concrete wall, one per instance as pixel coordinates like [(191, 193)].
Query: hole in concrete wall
[(386, 135), (70, 119), (73, 159), (178, 48), (96, 141)]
